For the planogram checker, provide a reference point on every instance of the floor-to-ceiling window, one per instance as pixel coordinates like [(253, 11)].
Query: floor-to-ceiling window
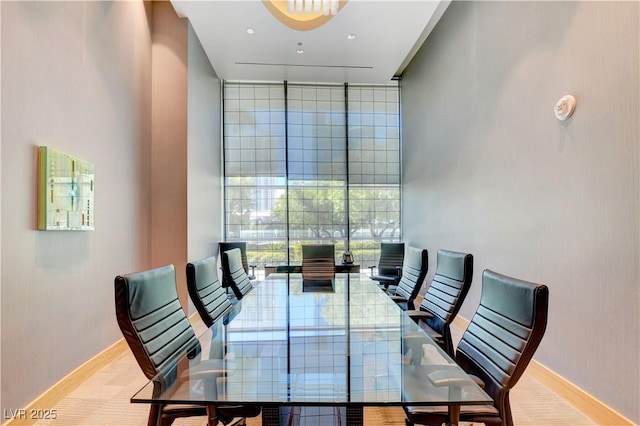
[(311, 163)]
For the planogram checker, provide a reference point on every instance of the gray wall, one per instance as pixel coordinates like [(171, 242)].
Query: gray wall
[(76, 77), (488, 169), (204, 178), (80, 80)]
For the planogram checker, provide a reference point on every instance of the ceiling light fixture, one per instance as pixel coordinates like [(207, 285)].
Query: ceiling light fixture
[(297, 6), (304, 15), (351, 36), (250, 31), (299, 50)]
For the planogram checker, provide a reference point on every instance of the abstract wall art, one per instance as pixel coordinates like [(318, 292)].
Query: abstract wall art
[(66, 188)]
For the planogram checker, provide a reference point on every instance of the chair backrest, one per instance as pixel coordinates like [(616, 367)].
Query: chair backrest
[(318, 261), (414, 270), (205, 289), (151, 318), (230, 245), (503, 335), (391, 256), (447, 291), (234, 274)]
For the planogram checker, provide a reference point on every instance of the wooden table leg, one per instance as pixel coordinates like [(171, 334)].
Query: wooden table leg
[(454, 415), (455, 393), (212, 415)]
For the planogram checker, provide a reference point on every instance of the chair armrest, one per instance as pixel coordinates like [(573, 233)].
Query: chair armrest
[(438, 338), (417, 315), (478, 381), (397, 298), (207, 369), (448, 378), (399, 270), (391, 290)]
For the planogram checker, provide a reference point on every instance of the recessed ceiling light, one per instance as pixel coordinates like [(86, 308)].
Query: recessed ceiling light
[(299, 51), (250, 31), (351, 36)]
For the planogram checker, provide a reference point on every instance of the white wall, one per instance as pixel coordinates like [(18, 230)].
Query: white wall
[(76, 76), (488, 169), (204, 177)]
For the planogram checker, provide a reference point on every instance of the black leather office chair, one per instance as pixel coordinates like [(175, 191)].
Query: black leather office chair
[(318, 261), (444, 297), (242, 245), (157, 331), (234, 274), (205, 290), (389, 264), (414, 270), (496, 348)]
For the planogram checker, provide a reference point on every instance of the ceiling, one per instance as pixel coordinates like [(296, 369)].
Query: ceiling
[(387, 35)]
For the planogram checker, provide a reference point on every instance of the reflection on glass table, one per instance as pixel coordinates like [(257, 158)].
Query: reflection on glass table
[(288, 349)]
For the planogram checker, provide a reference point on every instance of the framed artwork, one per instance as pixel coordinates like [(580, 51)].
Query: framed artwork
[(65, 192)]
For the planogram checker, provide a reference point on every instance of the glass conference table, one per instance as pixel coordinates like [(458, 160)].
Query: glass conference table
[(319, 349)]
